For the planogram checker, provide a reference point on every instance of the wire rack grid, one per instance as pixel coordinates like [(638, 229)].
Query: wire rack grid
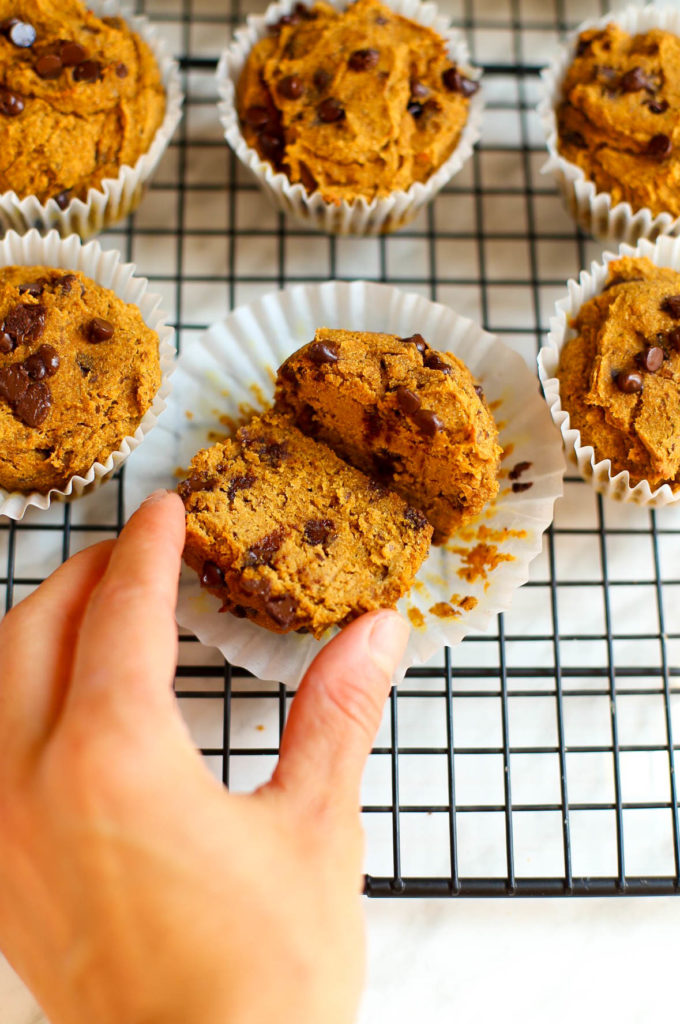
[(538, 758)]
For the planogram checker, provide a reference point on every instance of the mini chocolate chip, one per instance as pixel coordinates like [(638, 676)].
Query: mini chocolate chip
[(122, 70), (363, 60), (34, 405), (62, 199), (239, 483), (322, 79), (33, 288), (408, 401), (25, 323), (519, 469), (319, 531), (674, 338), (290, 87), (11, 103), (257, 116), (287, 372), (262, 552), (659, 147), (418, 340), (319, 352), (271, 146), (49, 66), (50, 358), (629, 383), (651, 359), (330, 110), (435, 362), (22, 34), (414, 518), (415, 109), (658, 106), (671, 305), (273, 453), (281, 609), (574, 139), (72, 54), (380, 19), (428, 422), (66, 283), (479, 391), (14, 382), (87, 71), (418, 90), (6, 343), (517, 488), (211, 575), (634, 80), (455, 82), (99, 330)]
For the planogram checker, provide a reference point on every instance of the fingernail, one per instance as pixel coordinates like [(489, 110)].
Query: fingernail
[(156, 496), (387, 641)]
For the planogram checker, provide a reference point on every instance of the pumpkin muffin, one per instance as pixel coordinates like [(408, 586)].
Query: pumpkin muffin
[(288, 535), (353, 103), (620, 377), (402, 412), (619, 119), (79, 368), (80, 96)]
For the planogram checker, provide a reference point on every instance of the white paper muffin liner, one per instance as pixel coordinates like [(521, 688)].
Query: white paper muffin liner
[(230, 369), (665, 252), (595, 211), (116, 197), (108, 270), (359, 217)]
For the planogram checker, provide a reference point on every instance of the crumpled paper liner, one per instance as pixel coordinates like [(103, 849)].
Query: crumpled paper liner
[(594, 211), (116, 197), (229, 371), (359, 217), (108, 270), (665, 252)]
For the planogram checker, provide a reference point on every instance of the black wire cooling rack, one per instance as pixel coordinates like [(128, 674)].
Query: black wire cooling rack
[(537, 759)]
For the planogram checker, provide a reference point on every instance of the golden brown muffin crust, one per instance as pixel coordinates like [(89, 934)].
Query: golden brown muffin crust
[(79, 368), (78, 123)]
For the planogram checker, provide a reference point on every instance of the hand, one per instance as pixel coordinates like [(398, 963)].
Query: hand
[(133, 888)]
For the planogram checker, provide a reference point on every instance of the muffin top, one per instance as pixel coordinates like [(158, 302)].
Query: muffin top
[(78, 370), (620, 378), (80, 97), (619, 119), (353, 103)]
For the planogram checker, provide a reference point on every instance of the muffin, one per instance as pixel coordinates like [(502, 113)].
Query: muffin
[(618, 118), (79, 368), (288, 535), (80, 98), (360, 102), (411, 416), (619, 377)]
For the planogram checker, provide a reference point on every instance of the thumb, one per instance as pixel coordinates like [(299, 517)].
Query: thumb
[(336, 713)]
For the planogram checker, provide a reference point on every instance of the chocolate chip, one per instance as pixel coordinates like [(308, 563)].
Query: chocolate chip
[(25, 323), (271, 146), (671, 305), (273, 453), (519, 469), (418, 340), (651, 359), (330, 110), (257, 116), (211, 575), (634, 80), (72, 54), (319, 531), (658, 106), (87, 71), (62, 199), (263, 551), (363, 60), (14, 382), (290, 87), (319, 352), (11, 103), (322, 79), (517, 488), (414, 518), (6, 343), (629, 383), (435, 362), (418, 90), (659, 147), (409, 402), (99, 330), (34, 405), (22, 34), (239, 483), (49, 66), (33, 288), (66, 283), (415, 109), (287, 372), (428, 422), (281, 609), (455, 82), (674, 338), (122, 70)]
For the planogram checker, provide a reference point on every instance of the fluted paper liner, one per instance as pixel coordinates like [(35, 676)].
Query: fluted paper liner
[(595, 211), (359, 217), (665, 252), (116, 197), (108, 270), (230, 369)]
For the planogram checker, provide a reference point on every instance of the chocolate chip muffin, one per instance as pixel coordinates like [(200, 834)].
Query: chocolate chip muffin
[(620, 377), (619, 119), (288, 535), (353, 103), (396, 409), (80, 97), (79, 368)]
